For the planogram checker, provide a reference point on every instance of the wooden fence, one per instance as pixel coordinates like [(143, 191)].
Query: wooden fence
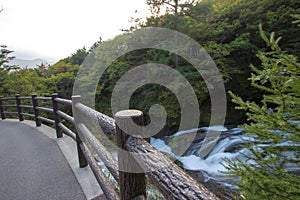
[(172, 181)]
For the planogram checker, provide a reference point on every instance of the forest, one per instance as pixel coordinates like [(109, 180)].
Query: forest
[(255, 46)]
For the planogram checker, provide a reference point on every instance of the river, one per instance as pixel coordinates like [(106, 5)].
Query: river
[(209, 169)]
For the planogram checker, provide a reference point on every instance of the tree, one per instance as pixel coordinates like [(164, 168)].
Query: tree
[(5, 68), (61, 77), (273, 124), (78, 57), (95, 45), (227, 29), (5, 59), (158, 7), (24, 82)]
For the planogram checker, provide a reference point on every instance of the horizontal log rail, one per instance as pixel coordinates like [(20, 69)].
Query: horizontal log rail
[(151, 164), (44, 119), (64, 101), (45, 109), (164, 174), (66, 116), (28, 115), (44, 98), (10, 113), (9, 105), (107, 123), (67, 131), (25, 98), (100, 150), (25, 106), (8, 98), (106, 186)]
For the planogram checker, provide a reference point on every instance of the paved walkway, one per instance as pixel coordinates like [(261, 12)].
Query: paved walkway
[(33, 167)]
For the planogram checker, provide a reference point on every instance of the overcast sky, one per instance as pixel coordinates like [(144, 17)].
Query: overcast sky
[(53, 29)]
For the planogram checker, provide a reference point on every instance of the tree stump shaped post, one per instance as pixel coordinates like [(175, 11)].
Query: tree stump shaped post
[(19, 109), (132, 185), (82, 160), (35, 105), (59, 132), (2, 110)]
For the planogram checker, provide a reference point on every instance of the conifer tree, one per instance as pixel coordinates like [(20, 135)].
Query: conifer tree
[(5, 68), (275, 126)]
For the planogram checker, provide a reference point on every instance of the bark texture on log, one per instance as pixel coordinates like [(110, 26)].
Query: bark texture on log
[(165, 175), (106, 123), (104, 183), (101, 151)]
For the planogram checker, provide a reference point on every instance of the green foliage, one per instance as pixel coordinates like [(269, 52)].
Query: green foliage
[(5, 58), (150, 94), (43, 80), (271, 122), (158, 7), (5, 68), (78, 57), (61, 77), (23, 82), (227, 29)]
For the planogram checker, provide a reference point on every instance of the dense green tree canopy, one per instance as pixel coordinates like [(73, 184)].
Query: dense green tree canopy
[(227, 29)]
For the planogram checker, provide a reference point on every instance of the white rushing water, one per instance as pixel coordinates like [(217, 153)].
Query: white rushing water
[(228, 146), (160, 145), (213, 162)]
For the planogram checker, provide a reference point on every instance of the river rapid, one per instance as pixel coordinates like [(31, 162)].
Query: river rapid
[(209, 169)]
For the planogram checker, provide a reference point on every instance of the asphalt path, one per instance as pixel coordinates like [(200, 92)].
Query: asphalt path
[(33, 167)]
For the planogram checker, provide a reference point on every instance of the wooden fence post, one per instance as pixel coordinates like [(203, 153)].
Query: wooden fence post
[(2, 110), (132, 185), (19, 109), (59, 132), (36, 111), (82, 160)]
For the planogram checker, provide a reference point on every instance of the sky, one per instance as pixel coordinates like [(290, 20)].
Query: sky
[(54, 29)]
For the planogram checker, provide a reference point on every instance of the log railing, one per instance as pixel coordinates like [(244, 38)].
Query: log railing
[(152, 165)]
